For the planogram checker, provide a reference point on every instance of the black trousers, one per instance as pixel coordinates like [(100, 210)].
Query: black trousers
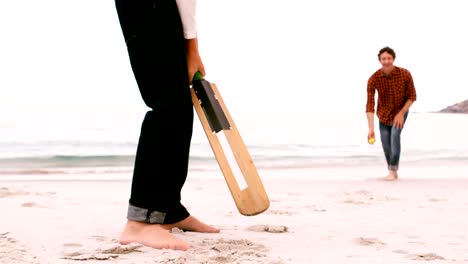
[(155, 42)]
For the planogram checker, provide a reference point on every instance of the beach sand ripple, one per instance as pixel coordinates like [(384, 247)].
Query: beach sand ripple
[(14, 252), (414, 221), (268, 228)]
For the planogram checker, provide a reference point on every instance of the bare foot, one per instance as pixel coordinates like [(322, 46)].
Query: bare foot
[(392, 176), (151, 235), (192, 224)]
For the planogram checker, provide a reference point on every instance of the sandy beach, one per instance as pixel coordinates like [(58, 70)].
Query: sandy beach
[(413, 220)]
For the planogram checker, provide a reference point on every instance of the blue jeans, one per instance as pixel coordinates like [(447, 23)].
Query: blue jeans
[(391, 144)]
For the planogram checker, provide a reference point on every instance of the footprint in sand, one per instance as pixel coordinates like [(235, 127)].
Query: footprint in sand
[(268, 228), (315, 208), (370, 241), (425, 257), (121, 249), (365, 197), (104, 239), (236, 251), (435, 200), (72, 245), (32, 204), (400, 251), (211, 250), (279, 212), (112, 251), (5, 192), (359, 197), (223, 244), (12, 251), (232, 251)]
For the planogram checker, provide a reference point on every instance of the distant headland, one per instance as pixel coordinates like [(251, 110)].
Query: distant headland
[(460, 108)]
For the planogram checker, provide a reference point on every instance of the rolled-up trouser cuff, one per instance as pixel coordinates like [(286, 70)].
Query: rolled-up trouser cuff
[(393, 167), (144, 215)]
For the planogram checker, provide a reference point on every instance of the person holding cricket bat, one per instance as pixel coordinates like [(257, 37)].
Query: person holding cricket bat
[(396, 94), (162, 45)]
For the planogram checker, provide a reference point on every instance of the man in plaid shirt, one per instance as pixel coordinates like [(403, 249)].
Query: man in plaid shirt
[(396, 94)]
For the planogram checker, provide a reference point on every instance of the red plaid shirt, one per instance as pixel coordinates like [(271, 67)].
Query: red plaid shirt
[(394, 90)]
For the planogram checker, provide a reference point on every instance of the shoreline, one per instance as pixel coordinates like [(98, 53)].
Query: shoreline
[(336, 173)]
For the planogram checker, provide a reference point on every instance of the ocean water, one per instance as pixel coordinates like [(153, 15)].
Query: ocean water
[(100, 145)]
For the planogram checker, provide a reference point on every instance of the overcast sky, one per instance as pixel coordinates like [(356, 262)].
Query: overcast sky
[(69, 57)]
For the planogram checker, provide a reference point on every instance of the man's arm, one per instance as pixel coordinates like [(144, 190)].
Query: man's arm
[(399, 119), (406, 107), (370, 106), (370, 120), (411, 94), (370, 124), (187, 11), (194, 61)]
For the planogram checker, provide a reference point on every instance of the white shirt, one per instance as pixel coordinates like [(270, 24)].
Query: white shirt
[(187, 11)]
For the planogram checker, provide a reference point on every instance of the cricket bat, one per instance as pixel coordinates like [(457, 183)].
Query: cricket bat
[(215, 119)]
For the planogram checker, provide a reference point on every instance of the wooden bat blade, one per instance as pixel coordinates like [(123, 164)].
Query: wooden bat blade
[(253, 199)]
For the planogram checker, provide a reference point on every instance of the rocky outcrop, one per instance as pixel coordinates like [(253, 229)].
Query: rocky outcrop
[(461, 108)]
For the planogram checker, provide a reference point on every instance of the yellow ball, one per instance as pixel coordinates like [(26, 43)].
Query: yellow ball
[(371, 140)]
